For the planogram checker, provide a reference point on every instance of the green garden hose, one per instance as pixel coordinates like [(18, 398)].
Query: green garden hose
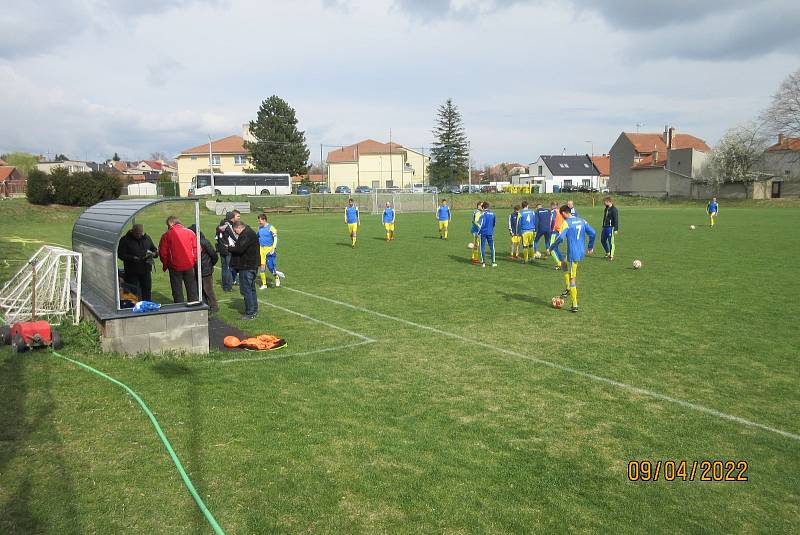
[(211, 520)]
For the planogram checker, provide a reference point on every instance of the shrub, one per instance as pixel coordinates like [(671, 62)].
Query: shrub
[(40, 187), (83, 189)]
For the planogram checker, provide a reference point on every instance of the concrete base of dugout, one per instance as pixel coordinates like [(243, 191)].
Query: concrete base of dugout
[(174, 327)]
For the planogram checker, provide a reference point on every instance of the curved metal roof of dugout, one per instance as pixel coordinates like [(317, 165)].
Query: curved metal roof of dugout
[(96, 235)]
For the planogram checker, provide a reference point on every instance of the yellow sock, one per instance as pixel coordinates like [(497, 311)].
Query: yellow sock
[(445, 234), (573, 293), (525, 254), (263, 278)]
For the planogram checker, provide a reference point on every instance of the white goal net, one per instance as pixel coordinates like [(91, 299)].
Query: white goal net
[(45, 282), (401, 202)]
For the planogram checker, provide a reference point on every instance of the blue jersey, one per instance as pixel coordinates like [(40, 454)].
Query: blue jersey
[(512, 222), (712, 208), (486, 223), (351, 215), (443, 213), (388, 215), (527, 220), (266, 235), (544, 221), (574, 232)]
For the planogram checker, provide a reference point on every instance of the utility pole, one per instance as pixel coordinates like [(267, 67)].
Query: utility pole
[(210, 165)]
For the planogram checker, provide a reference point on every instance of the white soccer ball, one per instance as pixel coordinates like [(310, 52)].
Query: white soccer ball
[(470, 245), (537, 254), (691, 227), (637, 264)]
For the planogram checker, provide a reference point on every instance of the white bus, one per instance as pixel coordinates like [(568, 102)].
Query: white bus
[(242, 184)]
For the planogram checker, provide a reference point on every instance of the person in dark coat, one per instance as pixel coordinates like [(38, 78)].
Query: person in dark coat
[(246, 259), (208, 259), (225, 238), (137, 251)]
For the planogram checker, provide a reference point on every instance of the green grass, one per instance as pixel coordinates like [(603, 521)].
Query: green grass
[(421, 431)]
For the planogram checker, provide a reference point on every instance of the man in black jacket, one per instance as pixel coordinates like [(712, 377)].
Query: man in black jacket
[(225, 238), (208, 259), (610, 227), (245, 259), (136, 250)]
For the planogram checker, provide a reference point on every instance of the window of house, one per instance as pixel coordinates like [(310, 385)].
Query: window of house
[(215, 159), (568, 182), (540, 170), (587, 183), (240, 159), (194, 157), (586, 165)]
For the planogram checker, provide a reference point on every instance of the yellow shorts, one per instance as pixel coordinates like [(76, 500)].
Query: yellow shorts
[(443, 225), (265, 251), (352, 228), (515, 238), (572, 267), (527, 239), (389, 227)]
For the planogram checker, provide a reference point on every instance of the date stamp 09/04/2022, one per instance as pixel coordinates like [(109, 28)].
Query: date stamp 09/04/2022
[(683, 470)]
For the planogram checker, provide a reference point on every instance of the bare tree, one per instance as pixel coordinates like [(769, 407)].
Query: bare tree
[(783, 114), (738, 159), (158, 156)]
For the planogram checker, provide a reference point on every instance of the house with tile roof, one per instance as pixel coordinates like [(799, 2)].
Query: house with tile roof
[(656, 165), (12, 182), (226, 155), (377, 165), (551, 173), (782, 160), (602, 162)]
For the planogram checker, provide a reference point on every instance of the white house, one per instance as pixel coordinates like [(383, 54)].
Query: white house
[(552, 173)]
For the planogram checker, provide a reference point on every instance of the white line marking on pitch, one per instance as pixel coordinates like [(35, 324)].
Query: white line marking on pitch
[(567, 369), (301, 354), (315, 320)]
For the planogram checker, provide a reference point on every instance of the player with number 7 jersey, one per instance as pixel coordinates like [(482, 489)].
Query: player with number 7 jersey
[(574, 231)]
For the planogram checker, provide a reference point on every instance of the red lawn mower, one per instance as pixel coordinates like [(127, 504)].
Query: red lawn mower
[(30, 334)]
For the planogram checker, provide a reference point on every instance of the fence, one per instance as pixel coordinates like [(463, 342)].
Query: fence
[(373, 202)]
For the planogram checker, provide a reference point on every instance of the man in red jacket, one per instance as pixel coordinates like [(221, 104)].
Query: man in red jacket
[(178, 252)]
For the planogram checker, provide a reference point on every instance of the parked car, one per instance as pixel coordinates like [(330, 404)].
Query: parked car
[(431, 189), (363, 189), (470, 188), (303, 190), (488, 188), (452, 190), (323, 189), (343, 189)]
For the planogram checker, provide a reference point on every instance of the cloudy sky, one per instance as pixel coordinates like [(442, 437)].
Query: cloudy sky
[(91, 77)]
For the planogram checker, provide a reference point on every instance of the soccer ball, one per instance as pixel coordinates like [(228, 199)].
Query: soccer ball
[(691, 227), (637, 264), (470, 245), (557, 301), (537, 255)]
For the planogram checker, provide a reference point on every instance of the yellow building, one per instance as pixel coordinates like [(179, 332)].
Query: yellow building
[(377, 165), (228, 155)]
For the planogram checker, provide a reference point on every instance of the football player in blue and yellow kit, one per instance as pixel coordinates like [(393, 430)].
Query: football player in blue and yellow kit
[(268, 246), (573, 232), (558, 226), (443, 217), (712, 210), (486, 225), (476, 215), (527, 228), (513, 230), (353, 220), (544, 225), (388, 221)]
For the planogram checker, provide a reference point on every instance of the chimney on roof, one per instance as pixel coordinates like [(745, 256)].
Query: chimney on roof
[(666, 134), (670, 137), (780, 139)]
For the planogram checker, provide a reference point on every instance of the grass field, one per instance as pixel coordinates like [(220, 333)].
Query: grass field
[(420, 393)]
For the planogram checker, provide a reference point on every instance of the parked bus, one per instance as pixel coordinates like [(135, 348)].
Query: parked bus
[(242, 184)]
